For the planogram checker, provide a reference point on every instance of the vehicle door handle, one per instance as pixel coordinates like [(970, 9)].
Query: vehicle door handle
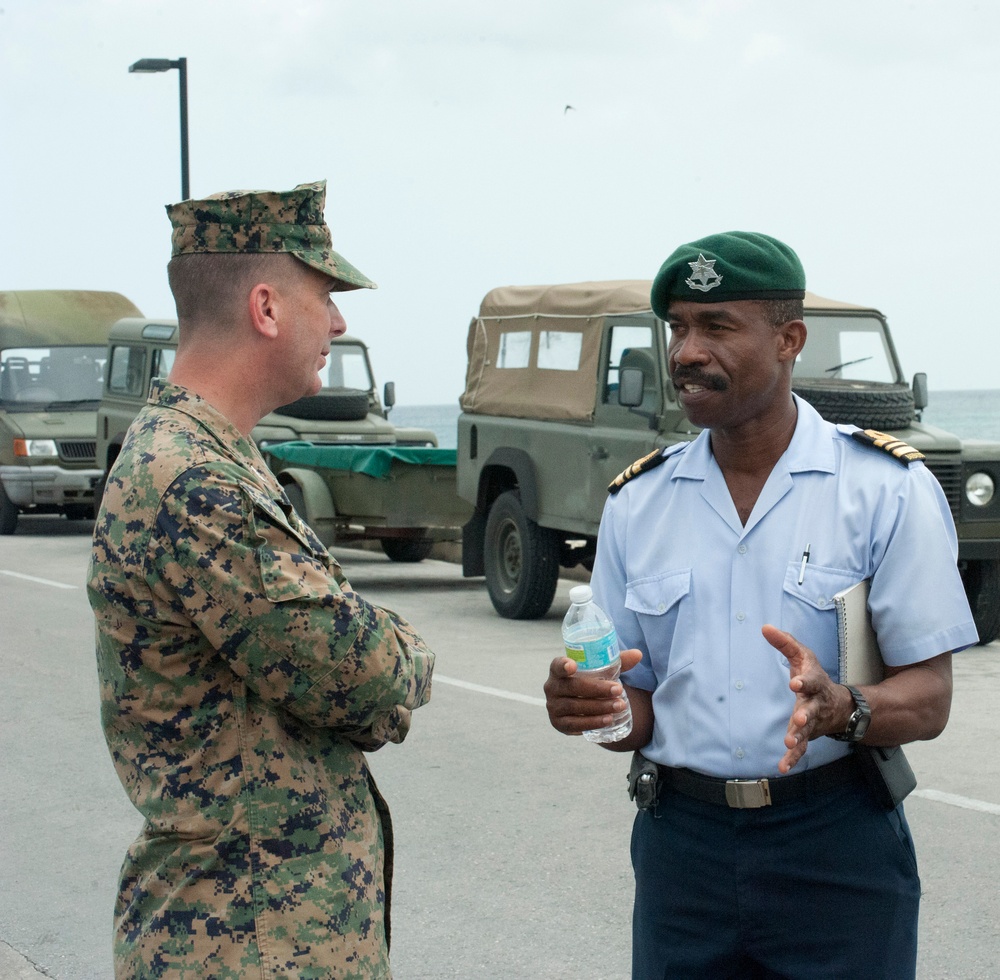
[(598, 452)]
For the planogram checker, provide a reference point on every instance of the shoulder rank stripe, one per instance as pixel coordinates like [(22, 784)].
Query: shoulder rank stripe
[(648, 462), (894, 447)]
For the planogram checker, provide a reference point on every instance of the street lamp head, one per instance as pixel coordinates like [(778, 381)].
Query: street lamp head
[(145, 65)]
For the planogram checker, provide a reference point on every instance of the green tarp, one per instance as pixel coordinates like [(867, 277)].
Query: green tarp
[(373, 461)]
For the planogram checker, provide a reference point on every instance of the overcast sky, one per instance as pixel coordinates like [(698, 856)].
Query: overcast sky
[(862, 132)]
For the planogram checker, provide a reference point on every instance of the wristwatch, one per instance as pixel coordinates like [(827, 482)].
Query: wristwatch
[(859, 721)]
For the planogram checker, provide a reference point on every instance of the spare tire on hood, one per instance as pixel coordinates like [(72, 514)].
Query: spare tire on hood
[(867, 404), (343, 405)]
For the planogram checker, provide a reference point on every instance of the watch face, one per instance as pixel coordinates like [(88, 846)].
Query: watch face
[(861, 726)]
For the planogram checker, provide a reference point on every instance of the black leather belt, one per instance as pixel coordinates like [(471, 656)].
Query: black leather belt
[(751, 793)]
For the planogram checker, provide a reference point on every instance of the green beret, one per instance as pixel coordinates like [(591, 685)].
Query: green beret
[(264, 222), (729, 266)]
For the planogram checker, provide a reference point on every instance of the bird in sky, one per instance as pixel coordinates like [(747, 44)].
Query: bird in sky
[(573, 107)]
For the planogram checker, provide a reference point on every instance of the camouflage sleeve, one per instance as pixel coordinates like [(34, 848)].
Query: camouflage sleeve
[(228, 557)]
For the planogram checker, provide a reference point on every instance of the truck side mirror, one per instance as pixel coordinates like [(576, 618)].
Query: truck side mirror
[(389, 395), (631, 383), (920, 398)]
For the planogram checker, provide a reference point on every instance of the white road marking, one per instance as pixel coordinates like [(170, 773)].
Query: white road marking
[(41, 581), (495, 691), (965, 802)]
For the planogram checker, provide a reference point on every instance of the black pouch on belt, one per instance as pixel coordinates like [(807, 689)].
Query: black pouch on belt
[(887, 772), (643, 777)]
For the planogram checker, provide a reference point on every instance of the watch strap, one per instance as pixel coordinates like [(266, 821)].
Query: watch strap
[(861, 709)]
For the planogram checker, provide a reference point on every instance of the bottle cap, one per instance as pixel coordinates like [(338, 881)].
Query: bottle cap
[(581, 593)]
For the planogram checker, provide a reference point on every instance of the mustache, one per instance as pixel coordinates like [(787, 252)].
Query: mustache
[(683, 376)]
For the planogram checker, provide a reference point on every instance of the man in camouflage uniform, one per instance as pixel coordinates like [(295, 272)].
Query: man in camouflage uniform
[(241, 677)]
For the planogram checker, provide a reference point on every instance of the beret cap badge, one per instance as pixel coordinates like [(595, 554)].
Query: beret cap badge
[(703, 274)]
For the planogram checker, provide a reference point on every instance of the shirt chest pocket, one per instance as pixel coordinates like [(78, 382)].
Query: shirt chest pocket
[(809, 613), (657, 601)]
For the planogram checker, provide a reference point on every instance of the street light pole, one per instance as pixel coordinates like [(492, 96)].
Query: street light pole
[(182, 66), (149, 65)]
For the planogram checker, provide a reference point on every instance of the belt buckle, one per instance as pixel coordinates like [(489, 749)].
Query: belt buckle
[(747, 794)]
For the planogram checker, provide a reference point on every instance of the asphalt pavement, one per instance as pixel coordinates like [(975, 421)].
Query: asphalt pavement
[(512, 841)]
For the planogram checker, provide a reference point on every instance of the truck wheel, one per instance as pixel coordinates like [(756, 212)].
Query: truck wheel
[(8, 513), (522, 560), (868, 404), (407, 549), (982, 588), (79, 512)]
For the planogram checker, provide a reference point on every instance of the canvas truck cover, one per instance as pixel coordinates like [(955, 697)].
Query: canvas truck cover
[(35, 317), (520, 384)]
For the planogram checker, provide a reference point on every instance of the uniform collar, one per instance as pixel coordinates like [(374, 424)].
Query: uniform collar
[(231, 441), (810, 449)]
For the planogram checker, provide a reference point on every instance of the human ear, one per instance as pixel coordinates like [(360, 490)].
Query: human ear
[(792, 338), (263, 304)]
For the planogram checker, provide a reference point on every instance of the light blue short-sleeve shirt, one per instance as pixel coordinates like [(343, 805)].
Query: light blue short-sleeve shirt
[(690, 586)]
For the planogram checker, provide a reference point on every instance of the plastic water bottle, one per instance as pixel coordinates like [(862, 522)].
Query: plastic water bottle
[(590, 639)]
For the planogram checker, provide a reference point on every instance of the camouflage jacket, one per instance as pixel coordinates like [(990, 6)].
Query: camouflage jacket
[(241, 678)]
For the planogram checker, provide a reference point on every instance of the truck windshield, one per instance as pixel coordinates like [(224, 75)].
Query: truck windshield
[(34, 379), (347, 367), (847, 348)]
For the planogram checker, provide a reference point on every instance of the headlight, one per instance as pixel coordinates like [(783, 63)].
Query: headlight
[(979, 489), (39, 448)]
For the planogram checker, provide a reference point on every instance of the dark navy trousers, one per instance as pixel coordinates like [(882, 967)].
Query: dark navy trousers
[(821, 890)]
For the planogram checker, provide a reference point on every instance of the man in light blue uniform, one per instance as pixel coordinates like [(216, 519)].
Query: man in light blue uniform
[(718, 565)]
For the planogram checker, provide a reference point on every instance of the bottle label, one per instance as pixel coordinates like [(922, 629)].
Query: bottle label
[(594, 654)]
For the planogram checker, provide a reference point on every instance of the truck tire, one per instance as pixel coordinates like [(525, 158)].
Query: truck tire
[(8, 513), (869, 404), (79, 512), (522, 560), (407, 549), (982, 588), (348, 405)]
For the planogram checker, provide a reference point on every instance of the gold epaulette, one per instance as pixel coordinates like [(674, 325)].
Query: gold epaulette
[(894, 447), (648, 462)]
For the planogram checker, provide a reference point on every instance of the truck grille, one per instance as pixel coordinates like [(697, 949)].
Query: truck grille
[(78, 450), (949, 475)]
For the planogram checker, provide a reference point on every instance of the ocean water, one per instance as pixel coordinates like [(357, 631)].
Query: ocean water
[(440, 419), (968, 414)]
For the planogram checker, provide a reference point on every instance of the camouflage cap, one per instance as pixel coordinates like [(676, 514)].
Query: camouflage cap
[(264, 221), (729, 266)]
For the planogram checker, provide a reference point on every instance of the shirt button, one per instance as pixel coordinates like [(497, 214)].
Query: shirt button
[(740, 616), (742, 549), (739, 685), (821, 601), (662, 607), (740, 753)]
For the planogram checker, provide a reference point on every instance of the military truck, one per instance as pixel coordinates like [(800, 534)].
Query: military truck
[(403, 497), (53, 347), (347, 410), (567, 384)]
